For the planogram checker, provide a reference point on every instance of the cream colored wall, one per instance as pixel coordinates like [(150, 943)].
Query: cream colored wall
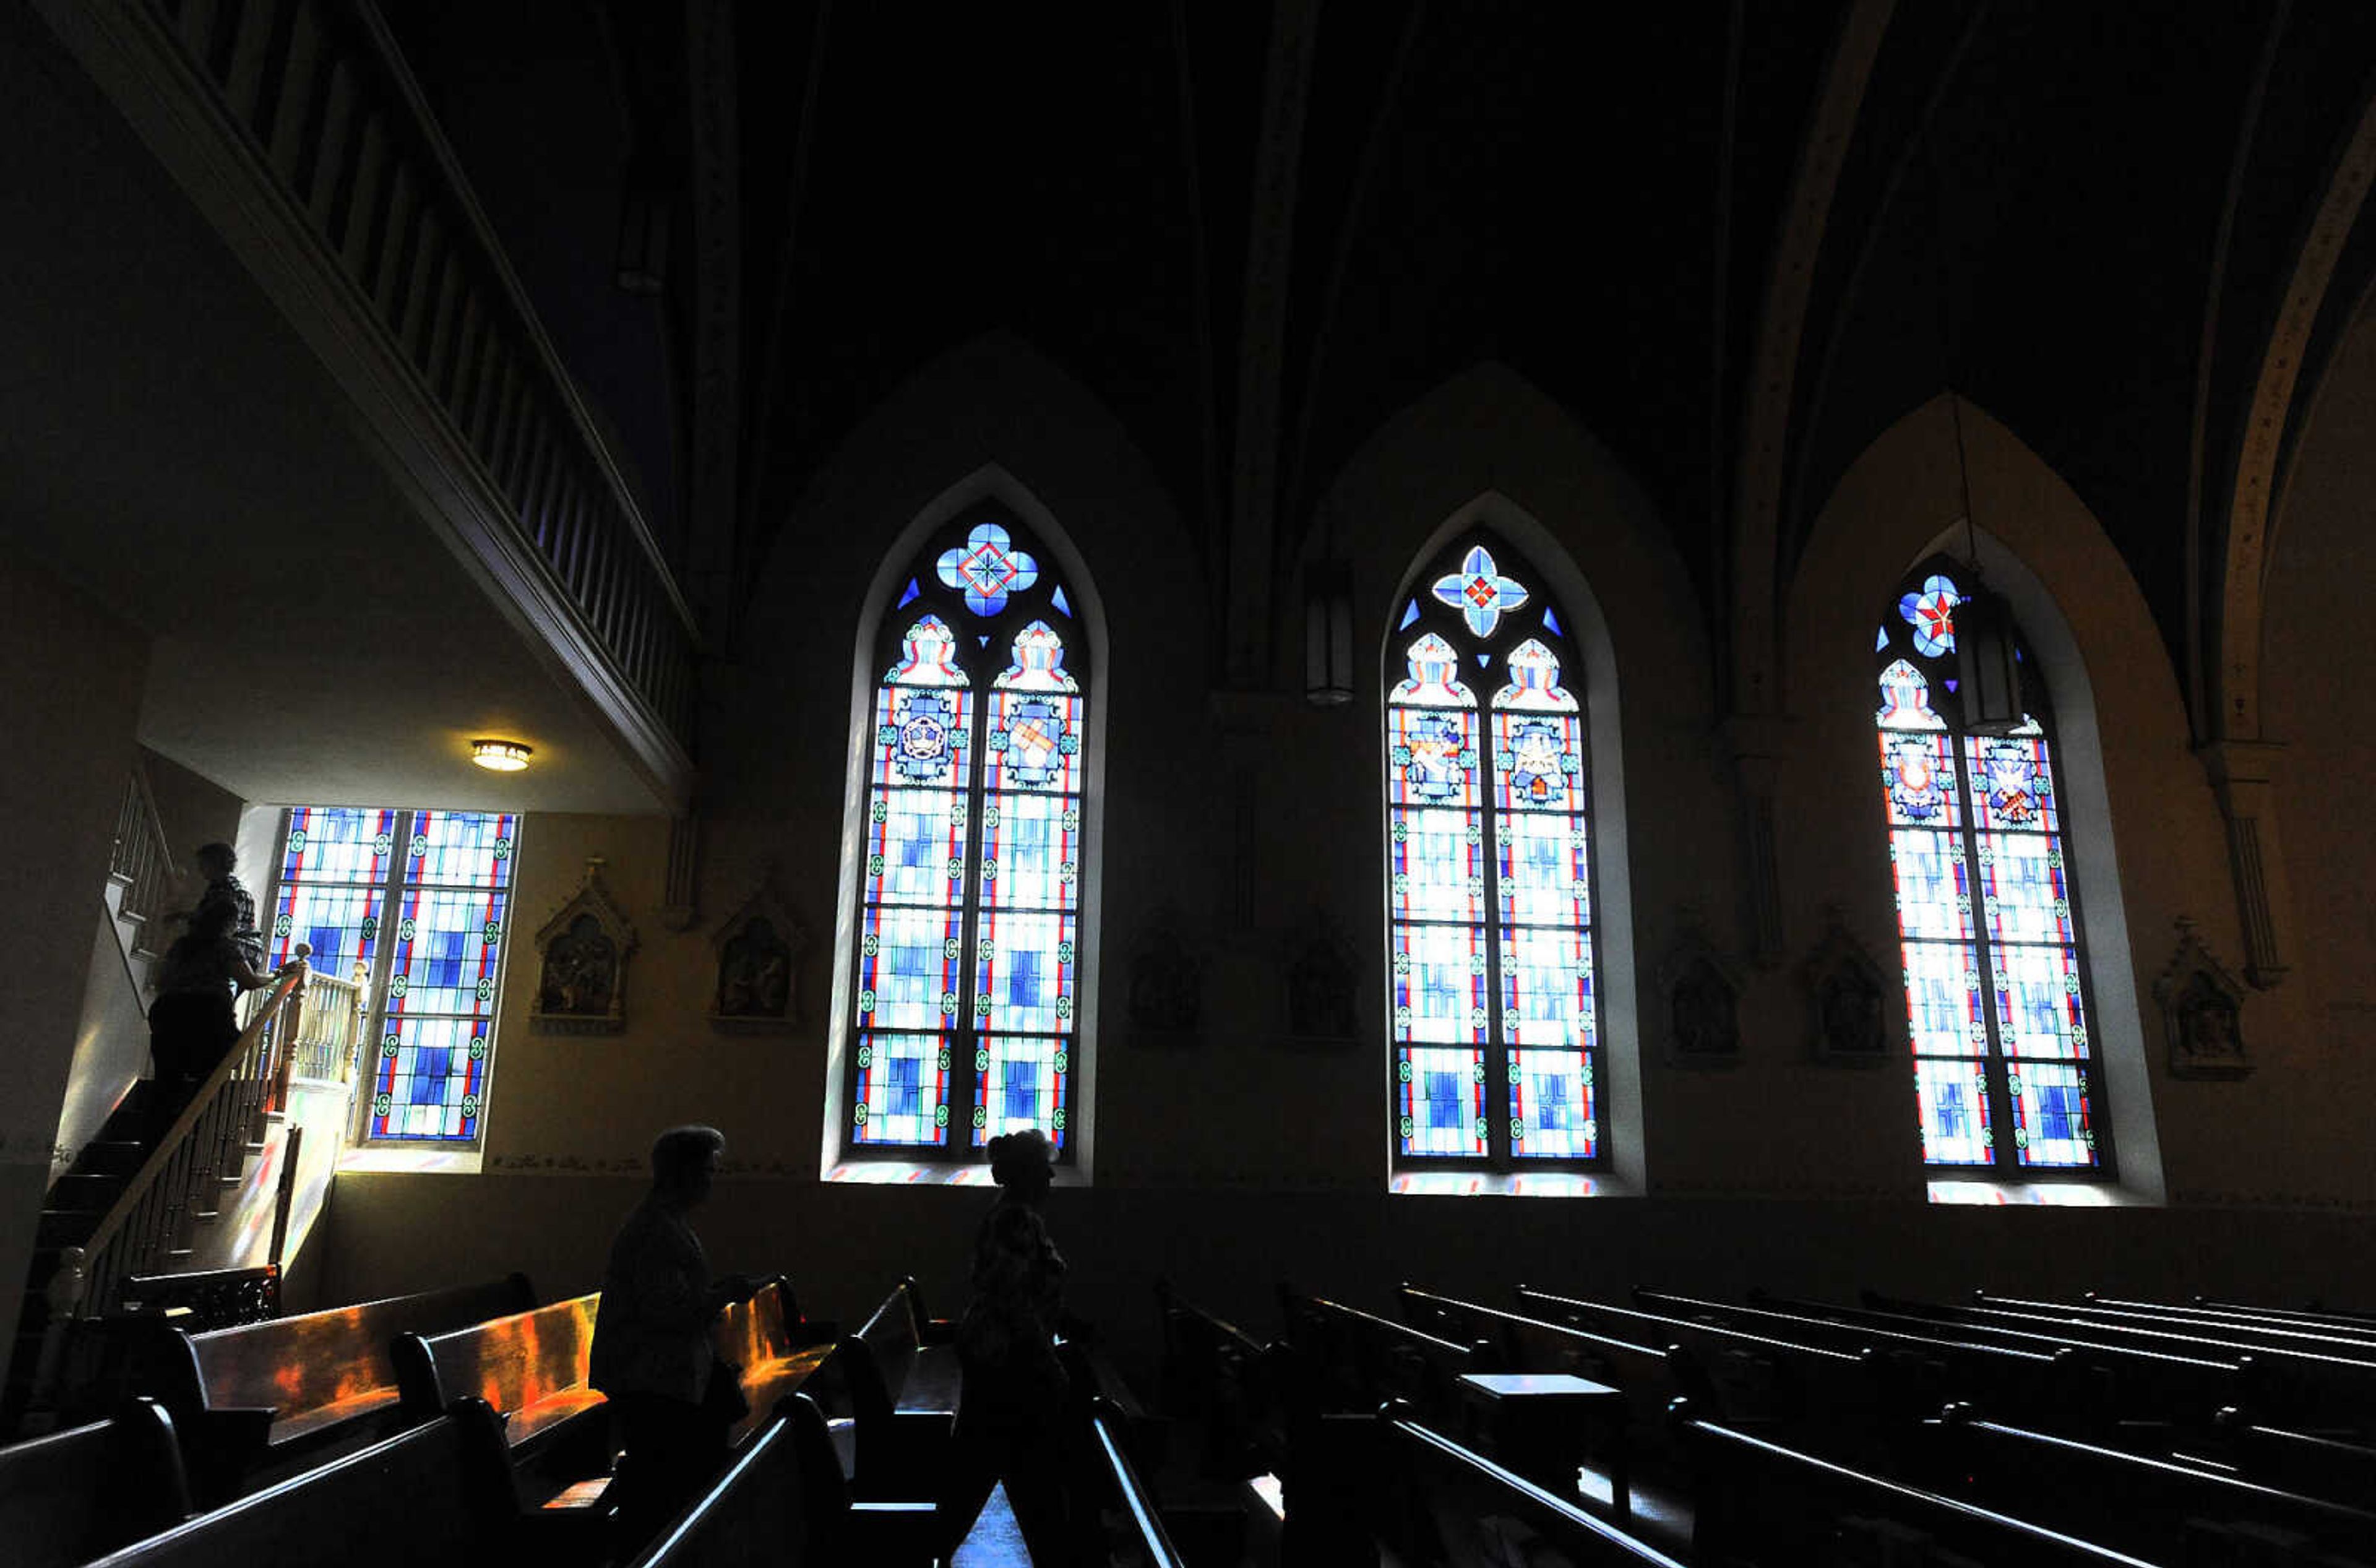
[(70, 677), (2315, 1034), (1235, 1157)]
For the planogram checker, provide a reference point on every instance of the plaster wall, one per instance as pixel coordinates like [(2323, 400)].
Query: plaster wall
[(70, 679)]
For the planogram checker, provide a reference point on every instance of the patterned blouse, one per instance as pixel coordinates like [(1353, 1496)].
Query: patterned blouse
[(1007, 1335)]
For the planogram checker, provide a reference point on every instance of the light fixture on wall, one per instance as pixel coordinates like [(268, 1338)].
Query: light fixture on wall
[(500, 757), (1328, 622), (1988, 670), (645, 220)]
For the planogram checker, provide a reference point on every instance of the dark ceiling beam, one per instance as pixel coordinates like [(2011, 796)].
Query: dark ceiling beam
[(2243, 579), (2214, 289), (773, 370), (1261, 351), (714, 190), (1357, 201), (1766, 403), (2239, 759), (1200, 272)]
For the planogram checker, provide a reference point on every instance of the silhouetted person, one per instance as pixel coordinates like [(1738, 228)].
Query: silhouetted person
[(191, 1024), (219, 864), (1016, 1420), (652, 1353)]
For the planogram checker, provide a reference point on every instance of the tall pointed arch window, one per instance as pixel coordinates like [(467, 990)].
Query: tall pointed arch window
[(967, 961), (1496, 1043), (1996, 988)]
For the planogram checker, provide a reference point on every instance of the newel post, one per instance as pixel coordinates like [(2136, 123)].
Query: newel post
[(2242, 775)]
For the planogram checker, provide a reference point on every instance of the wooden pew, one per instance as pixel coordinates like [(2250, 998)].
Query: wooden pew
[(2151, 1386), (82, 1493), (1359, 1359), (1761, 1505), (2296, 1461), (2157, 1508), (1219, 1382), (537, 1433), (904, 1384), (1228, 1406), (2277, 1336), (212, 1299), (2290, 1387), (777, 1350), (1758, 1380), (402, 1502), (2315, 1313), (1922, 1373), (265, 1400), (2192, 1313), (1148, 1544), (1444, 1504), (783, 1500)]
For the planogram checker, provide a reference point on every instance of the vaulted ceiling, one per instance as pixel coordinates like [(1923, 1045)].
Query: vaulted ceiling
[(1257, 232)]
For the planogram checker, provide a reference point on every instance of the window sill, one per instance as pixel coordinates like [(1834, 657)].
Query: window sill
[(1505, 1184), (2050, 1195), (414, 1161), (920, 1173)]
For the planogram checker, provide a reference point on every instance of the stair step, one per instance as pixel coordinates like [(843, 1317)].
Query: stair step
[(89, 1194), (111, 1156), (65, 1228)]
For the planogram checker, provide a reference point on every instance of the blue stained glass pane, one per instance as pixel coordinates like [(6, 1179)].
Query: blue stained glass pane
[(1934, 900), (1918, 779), (2012, 783), (447, 955), (1035, 741), (1063, 607), (1942, 999), (1546, 987), (1439, 992), (1538, 762), (910, 969), (338, 844), (432, 1084), (330, 918), (2022, 888), (1021, 1086), (1880, 640), (2053, 1121), (986, 568), (1436, 865), (1551, 623), (2038, 1009), (1030, 851), (1023, 973), (462, 849), (915, 847), (902, 1095), (1479, 591), (1544, 878), (1441, 1102), (921, 736), (908, 595), (1410, 614), (1432, 757), (1953, 1098), (1551, 1106)]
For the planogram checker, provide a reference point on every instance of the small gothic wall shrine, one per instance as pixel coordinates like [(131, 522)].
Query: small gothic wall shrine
[(2202, 1010), (582, 962), (1320, 980), (1850, 1020), (757, 990), (1703, 1003)]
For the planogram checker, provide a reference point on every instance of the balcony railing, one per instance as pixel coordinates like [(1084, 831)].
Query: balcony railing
[(325, 142)]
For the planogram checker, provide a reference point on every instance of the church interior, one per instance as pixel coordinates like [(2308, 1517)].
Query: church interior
[(1305, 470)]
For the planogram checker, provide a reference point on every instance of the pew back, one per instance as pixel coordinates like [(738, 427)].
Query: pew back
[(76, 1494), (1358, 1358), (530, 1367), (1110, 1443), (1462, 1509)]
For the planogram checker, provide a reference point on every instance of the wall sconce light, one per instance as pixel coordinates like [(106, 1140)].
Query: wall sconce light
[(1327, 633), (500, 757), (644, 223)]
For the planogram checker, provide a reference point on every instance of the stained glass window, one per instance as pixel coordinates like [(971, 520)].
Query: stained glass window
[(416, 905), (1496, 1050), (968, 964), (1996, 989)]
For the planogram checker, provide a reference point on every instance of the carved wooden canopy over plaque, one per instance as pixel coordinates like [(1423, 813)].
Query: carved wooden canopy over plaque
[(581, 986), (1853, 1017), (2202, 1012), (1699, 1002), (757, 945)]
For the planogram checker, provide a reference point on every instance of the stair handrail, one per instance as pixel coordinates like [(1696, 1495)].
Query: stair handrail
[(141, 854), (226, 1114)]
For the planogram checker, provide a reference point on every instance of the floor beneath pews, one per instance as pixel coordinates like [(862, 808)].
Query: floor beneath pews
[(995, 1540)]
